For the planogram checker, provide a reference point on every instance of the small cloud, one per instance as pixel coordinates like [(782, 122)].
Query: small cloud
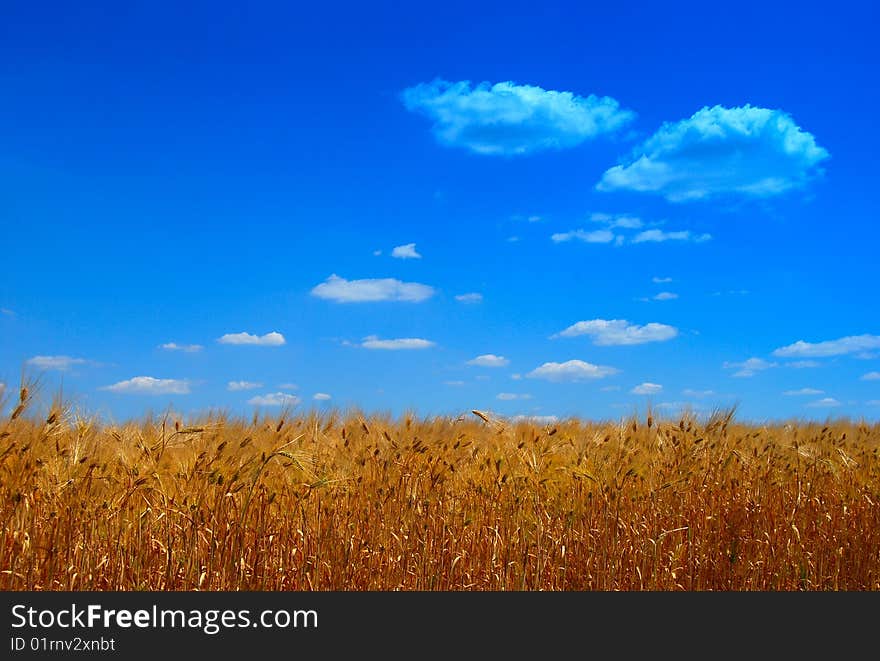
[(803, 364), (660, 236), (647, 389), (403, 343), (617, 332), (489, 360), (407, 251), (6, 312), (660, 281), (803, 391), (147, 385), (507, 119), (842, 346), (873, 402), (596, 236), (274, 399), (187, 348), (516, 376), (534, 219), (870, 376), (268, 340), (470, 297), (825, 402), (748, 151), (511, 396), (571, 370), (377, 253), (321, 397), (536, 419), (341, 290), (512, 239), (609, 388), (288, 386), (749, 367), (665, 296), (687, 392), (453, 383), (234, 386), (60, 363)]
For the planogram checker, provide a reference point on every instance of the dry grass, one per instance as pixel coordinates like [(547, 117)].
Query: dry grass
[(346, 503)]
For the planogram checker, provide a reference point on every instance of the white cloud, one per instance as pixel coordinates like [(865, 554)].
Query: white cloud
[(749, 151), (403, 343), (749, 367), (536, 419), (321, 397), (470, 297), (659, 236), (489, 360), (665, 296), (147, 385), (235, 386), (616, 332), (188, 348), (341, 290), (803, 391), (453, 383), (377, 253), (803, 364), (825, 402), (873, 402), (851, 344), (871, 376), (7, 312), (660, 281), (407, 251), (60, 363), (274, 399), (609, 388), (272, 339), (571, 370), (288, 386), (511, 396), (688, 392), (509, 119), (647, 389), (596, 236)]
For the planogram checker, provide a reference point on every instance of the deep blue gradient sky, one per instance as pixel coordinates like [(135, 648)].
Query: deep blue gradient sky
[(176, 174)]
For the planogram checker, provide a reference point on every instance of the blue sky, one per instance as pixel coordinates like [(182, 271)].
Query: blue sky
[(554, 211)]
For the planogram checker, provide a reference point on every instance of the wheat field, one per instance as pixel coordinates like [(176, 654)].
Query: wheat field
[(344, 501)]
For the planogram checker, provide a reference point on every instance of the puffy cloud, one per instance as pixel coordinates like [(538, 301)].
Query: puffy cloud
[(665, 296), (321, 397), (511, 396), (509, 119), (749, 367), (268, 340), (852, 344), (616, 332), (275, 399), (188, 348), (489, 360), (403, 343), (596, 236), (368, 290), (659, 236), (407, 251), (148, 385), (871, 376), (60, 363), (825, 402), (235, 386), (802, 391), (470, 297), (647, 389), (750, 151), (571, 370)]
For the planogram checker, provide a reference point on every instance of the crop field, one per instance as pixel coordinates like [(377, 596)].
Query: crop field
[(343, 501)]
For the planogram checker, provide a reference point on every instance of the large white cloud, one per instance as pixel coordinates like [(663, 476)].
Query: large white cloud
[(60, 363), (372, 290), (571, 370), (272, 339), (275, 399), (612, 332), (489, 360), (399, 344), (852, 344), (749, 151), (148, 385), (510, 119)]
